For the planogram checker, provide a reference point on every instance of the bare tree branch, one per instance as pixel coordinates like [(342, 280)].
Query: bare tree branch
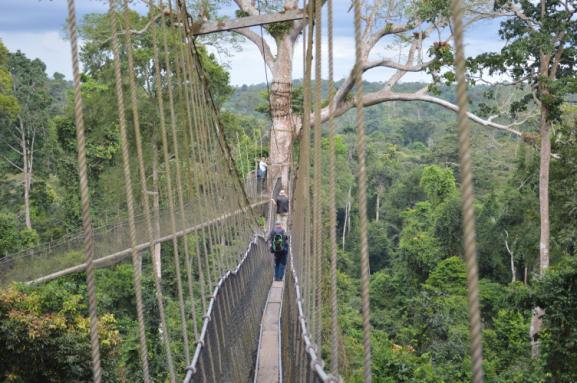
[(14, 149), (11, 163), (388, 63), (246, 6), (135, 31), (261, 44), (389, 29), (374, 98)]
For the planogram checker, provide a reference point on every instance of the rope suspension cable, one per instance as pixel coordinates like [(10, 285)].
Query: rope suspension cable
[(128, 191), (267, 84), (305, 166), (179, 69), (318, 174), (206, 234), (465, 166), (170, 193), (365, 273), (197, 190), (84, 196), (332, 202), (142, 173), (180, 193), (166, 157)]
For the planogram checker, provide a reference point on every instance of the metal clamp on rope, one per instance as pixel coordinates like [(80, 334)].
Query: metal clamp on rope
[(207, 317), (191, 369), (315, 363), (311, 350), (200, 342)]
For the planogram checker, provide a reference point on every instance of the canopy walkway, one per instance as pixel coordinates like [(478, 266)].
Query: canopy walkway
[(213, 223)]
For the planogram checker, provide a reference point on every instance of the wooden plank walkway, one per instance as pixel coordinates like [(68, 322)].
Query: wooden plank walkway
[(268, 364)]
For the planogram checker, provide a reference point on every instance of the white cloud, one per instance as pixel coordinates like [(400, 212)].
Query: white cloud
[(48, 46)]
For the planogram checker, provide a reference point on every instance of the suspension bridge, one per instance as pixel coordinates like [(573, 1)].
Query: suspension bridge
[(235, 323)]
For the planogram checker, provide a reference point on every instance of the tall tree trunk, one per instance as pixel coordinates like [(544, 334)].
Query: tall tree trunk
[(525, 274), (544, 157), (27, 174), (282, 130), (513, 271), (347, 216), (156, 208), (377, 207), (544, 191)]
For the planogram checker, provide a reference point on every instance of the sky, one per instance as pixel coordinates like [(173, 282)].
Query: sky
[(36, 27)]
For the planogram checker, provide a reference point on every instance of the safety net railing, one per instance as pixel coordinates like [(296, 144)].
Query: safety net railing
[(190, 215), (112, 242), (227, 347), (229, 338)]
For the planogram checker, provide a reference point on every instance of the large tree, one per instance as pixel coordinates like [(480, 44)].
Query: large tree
[(23, 136), (540, 53), (414, 28)]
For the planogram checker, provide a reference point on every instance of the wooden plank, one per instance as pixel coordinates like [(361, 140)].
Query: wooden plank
[(200, 28), (268, 368)]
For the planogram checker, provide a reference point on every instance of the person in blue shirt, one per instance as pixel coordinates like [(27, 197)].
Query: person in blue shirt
[(279, 246)]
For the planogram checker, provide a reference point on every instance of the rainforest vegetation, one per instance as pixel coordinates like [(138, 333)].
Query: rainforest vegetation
[(418, 292)]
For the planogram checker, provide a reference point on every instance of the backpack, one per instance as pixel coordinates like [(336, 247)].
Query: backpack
[(278, 243)]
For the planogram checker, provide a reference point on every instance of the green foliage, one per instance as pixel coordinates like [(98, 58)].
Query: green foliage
[(528, 47), (9, 107), (46, 336), (9, 238), (448, 277), (438, 183), (556, 294), (420, 249)]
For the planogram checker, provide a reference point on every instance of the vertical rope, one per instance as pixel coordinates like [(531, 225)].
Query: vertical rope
[(160, 101), (305, 166), (468, 197), (332, 203), (188, 143), (167, 68), (143, 183), (128, 188), (360, 121), (317, 205), (84, 196)]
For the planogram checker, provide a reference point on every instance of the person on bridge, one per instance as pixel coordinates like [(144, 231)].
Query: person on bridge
[(279, 246), (282, 208), (261, 170)]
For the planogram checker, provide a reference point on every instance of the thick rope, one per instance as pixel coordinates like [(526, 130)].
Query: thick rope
[(332, 203), (305, 166), (142, 175), (182, 77), (468, 197), (160, 101), (365, 273), (317, 205), (128, 189), (176, 256), (84, 196)]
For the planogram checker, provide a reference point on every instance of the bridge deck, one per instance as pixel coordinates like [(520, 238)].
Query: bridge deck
[(268, 367)]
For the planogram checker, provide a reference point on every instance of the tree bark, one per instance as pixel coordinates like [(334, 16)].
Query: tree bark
[(347, 214), (282, 130), (377, 208), (513, 271), (545, 157)]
